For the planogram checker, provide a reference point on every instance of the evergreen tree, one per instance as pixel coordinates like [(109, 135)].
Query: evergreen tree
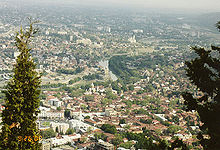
[(19, 130), (218, 25), (204, 72)]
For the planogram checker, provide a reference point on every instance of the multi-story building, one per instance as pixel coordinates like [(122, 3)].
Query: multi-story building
[(62, 127), (45, 145), (101, 145)]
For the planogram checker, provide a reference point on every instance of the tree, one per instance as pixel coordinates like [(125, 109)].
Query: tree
[(175, 119), (126, 145), (163, 144), (147, 121), (82, 140), (109, 128), (48, 133), (131, 87), (173, 129), (218, 25), (89, 98), (100, 136), (59, 108), (69, 131), (106, 101), (83, 107), (87, 117), (115, 86), (122, 121), (127, 127), (110, 95), (204, 72), (67, 113), (178, 144), (117, 140), (22, 98)]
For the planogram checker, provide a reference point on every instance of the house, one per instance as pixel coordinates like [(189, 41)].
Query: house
[(110, 112), (155, 122), (55, 102), (91, 122), (45, 145), (101, 145), (70, 138), (86, 145), (56, 142), (161, 116), (55, 114), (121, 148), (137, 131), (80, 126), (43, 112)]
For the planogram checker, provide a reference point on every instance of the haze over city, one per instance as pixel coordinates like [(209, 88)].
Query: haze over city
[(202, 5), (115, 74)]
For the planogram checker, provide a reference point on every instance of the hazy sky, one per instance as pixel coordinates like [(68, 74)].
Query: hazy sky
[(198, 4), (213, 5)]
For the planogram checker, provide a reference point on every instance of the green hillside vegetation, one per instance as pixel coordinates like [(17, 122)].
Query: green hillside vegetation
[(72, 72)]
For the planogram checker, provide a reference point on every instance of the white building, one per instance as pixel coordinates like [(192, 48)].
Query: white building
[(45, 145), (132, 39), (57, 142), (47, 32), (110, 112), (71, 38), (43, 112), (69, 138), (64, 140), (80, 126), (50, 114), (161, 116), (55, 114), (62, 127), (55, 102)]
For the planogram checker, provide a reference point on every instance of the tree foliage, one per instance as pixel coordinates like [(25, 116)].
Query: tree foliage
[(204, 72), (122, 121), (67, 113), (106, 101), (69, 131), (146, 142), (89, 98), (109, 128), (218, 25), (22, 98), (48, 133), (72, 72), (117, 140), (110, 95), (100, 136)]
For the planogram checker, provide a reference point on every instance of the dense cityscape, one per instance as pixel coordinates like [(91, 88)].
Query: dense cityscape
[(109, 75)]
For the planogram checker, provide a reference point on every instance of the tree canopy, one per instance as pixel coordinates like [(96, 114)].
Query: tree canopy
[(22, 98), (204, 72)]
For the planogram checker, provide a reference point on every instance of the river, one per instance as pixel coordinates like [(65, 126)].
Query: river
[(104, 64)]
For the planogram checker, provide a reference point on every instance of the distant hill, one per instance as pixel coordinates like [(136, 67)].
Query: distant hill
[(207, 20)]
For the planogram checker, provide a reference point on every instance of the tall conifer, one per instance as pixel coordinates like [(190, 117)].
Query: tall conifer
[(204, 72), (19, 130)]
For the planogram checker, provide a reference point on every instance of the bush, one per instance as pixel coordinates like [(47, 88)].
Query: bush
[(109, 128)]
